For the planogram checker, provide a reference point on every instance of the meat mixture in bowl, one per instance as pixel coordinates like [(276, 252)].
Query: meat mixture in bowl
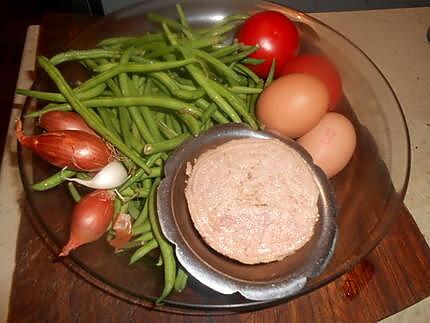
[(253, 200)]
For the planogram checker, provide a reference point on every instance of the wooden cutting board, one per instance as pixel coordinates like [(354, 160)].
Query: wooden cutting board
[(394, 276)]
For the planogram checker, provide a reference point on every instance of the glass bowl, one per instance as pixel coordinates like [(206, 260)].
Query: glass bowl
[(369, 190)]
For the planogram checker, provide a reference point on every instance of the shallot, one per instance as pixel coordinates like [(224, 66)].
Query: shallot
[(74, 149), (90, 219)]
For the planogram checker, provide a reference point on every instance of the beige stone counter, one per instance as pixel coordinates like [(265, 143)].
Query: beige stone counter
[(394, 39)]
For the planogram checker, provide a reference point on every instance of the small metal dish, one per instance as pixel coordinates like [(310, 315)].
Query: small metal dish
[(256, 282)]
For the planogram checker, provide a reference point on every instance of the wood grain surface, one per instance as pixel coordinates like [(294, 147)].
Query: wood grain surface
[(394, 276)]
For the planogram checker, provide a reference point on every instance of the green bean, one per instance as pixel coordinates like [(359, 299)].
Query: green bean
[(142, 173), (182, 81), (175, 90), (53, 180), (137, 83), (145, 47), (142, 251), (247, 72), (147, 182), (160, 87), (89, 64), (186, 28), (131, 68), (192, 124), (58, 97), (208, 114), (180, 280), (165, 248), (253, 61), (165, 145), (182, 17), (141, 228), (138, 41), (204, 82), (107, 119), (114, 119), (170, 22), (124, 121), (253, 104), (104, 67), (114, 41), (176, 124), (271, 74), (223, 29), (245, 90), (226, 50), (248, 99), (239, 56), (128, 90), (107, 93), (217, 115), (235, 102), (73, 55), (88, 115), (147, 113), (197, 43), (166, 130), (132, 210), (138, 193), (145, 237), (143, 215), (219, 66), (186, 87), (169, 121), (220, 25), (74, 192)]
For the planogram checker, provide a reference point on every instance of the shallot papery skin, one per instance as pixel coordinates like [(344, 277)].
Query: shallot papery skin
[(90, 219), (74, 149), (123, 233), (64, 120)]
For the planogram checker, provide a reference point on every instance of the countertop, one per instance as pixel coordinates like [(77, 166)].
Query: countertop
[(394, 39)]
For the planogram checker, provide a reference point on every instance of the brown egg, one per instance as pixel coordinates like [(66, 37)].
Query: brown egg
[(293, 104), (331, 143)]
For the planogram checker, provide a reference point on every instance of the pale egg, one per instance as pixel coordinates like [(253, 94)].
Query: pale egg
[(331, 143)]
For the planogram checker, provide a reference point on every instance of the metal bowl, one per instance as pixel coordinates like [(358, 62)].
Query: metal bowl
[(259, 282)]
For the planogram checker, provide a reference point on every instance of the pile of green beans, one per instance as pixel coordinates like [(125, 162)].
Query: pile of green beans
[(145, 96)]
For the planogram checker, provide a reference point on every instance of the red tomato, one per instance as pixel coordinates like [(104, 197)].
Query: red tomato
[(321, 68), (277, 37)]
